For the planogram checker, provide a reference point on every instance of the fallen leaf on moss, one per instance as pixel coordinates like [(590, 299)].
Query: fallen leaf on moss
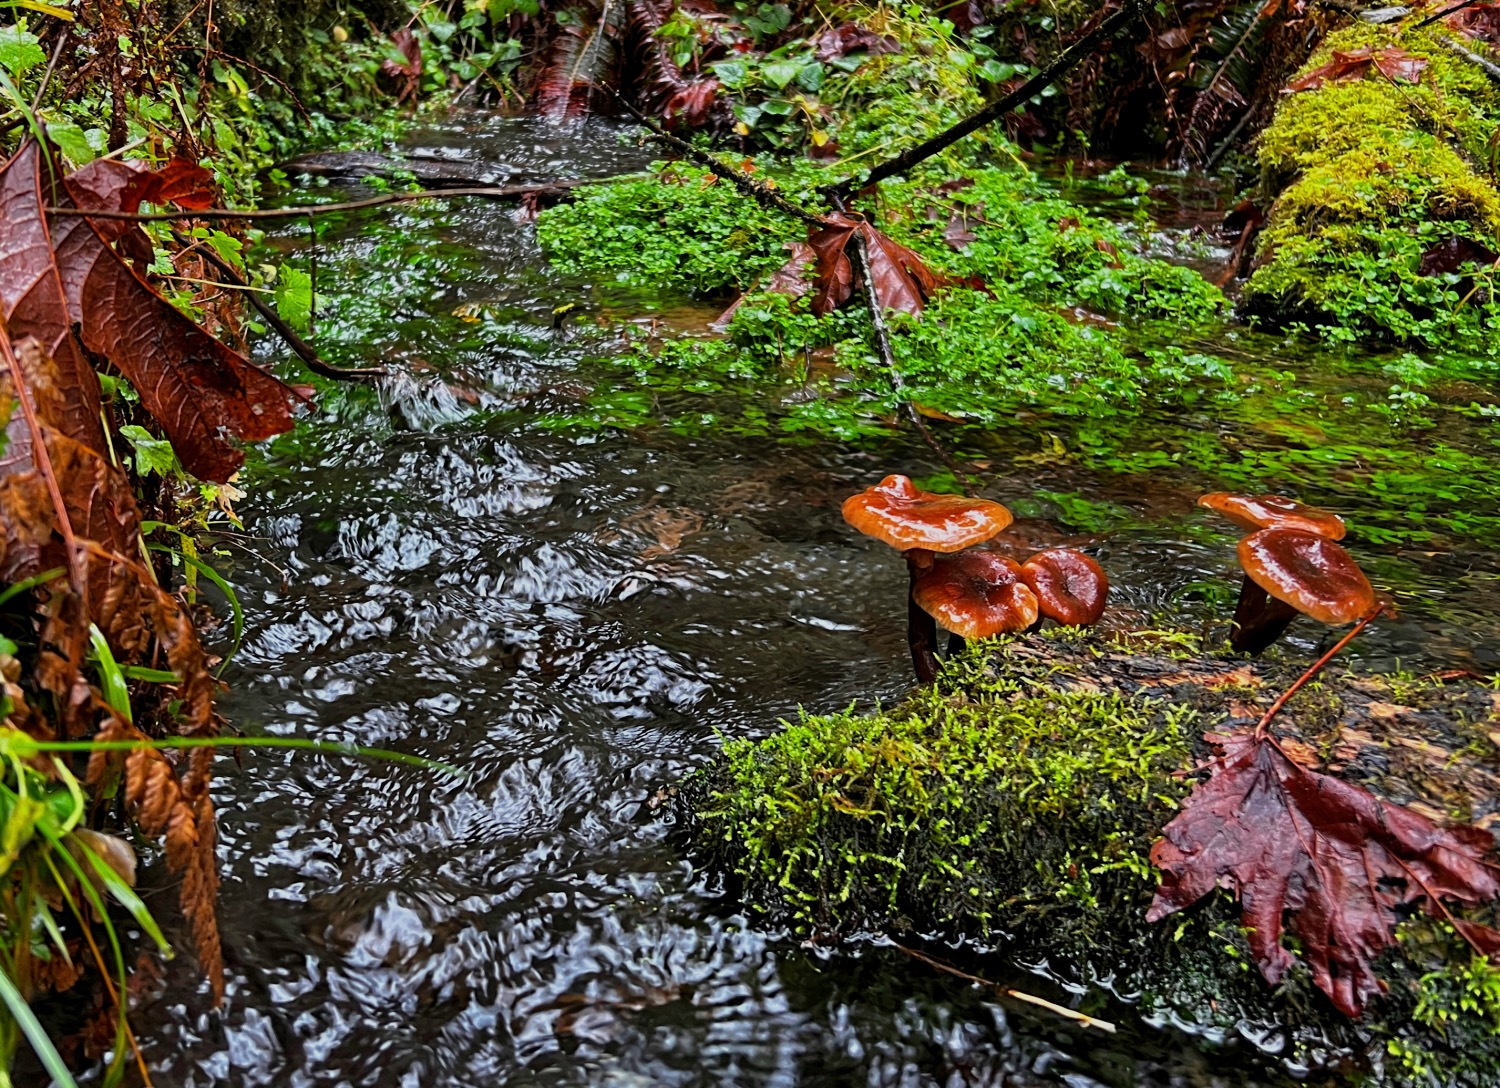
[(1397, 65), (1321, 857)]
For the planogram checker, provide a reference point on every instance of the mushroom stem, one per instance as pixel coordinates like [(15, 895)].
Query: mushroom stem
[(956, 643), (1259, 619), (921, 628)]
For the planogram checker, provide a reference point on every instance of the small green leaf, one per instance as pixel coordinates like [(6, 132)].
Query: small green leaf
[(810, 77), (226, 247), (72, 141), (780, 73), (152, 454), (731, 73), (294, 297), (20, 51)]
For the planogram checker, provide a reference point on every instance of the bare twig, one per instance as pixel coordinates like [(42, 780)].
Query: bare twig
[(1489, 67), (301, 211), (1019, 995), (62, 40), (1435, 16), (304, 350), (755, 190), (861, 254)]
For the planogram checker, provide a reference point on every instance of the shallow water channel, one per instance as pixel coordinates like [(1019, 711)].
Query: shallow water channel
[(576, 616)]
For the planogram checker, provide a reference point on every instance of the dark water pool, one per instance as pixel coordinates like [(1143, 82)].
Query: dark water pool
[(578, 618)]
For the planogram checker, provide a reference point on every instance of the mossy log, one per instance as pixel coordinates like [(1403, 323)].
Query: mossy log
[(1381, 194), (1013, 807)]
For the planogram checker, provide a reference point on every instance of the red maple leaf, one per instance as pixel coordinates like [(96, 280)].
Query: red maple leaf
[(690, 104), (1329, 861), (1346, 66), (407, 71), (902, 281)]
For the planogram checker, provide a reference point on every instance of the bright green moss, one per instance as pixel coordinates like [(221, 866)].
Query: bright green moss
[(1369, 176), (681, 227), (1017, 803), (1445, 1022), (1003, 797), (1313, 127)]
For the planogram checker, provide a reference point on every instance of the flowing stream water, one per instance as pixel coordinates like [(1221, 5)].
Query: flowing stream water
[(578, 617)]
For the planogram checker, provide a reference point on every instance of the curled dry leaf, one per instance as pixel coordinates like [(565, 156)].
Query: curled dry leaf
[(852, 38), (1321, 857), (790, 279), (691, 105), (202, 393), (1348, 65), (406, 72), (1452, 254), (902, 281)]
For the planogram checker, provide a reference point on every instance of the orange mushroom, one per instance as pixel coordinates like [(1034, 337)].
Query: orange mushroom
[(976, 595), (905, 517), (1070, 587), (1289, 571), (919, 523), (1274, 512)]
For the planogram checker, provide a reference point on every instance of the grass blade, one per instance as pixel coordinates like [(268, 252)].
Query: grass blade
[(35, 1034)]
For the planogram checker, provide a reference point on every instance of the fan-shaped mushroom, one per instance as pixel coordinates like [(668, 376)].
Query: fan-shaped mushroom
[(1274, 512), (976, 595), (1070, 587), (919, 523), (1296, 571)]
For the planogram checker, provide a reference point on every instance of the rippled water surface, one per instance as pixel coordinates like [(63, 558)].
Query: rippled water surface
[(578, 619)]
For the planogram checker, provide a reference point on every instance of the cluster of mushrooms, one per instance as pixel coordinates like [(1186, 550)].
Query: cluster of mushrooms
[(973, 594), (1292, 564), (1291, 561)]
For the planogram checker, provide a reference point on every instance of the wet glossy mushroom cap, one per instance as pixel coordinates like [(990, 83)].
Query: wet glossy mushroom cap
[(976, 595), (1274, 512), (1070, 587), (1309, 572), (895, 511)]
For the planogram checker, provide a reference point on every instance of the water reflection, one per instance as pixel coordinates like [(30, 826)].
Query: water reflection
[(576, 620)]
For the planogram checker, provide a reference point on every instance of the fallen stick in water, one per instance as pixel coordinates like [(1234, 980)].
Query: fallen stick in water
[(497, 192), (1019, 995)]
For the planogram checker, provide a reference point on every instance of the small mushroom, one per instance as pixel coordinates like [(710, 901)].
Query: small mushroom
[(1070, 587), (1294, 571), (919, 523), (1274, 512), (976, 595)]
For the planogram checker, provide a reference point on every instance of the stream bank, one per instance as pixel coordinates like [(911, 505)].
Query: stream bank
[(1008, 815)]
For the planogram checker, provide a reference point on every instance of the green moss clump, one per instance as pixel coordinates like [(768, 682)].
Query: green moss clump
[(1444, 1020), (681, 227), (1016, 805), (1369, 176), (976, 806)]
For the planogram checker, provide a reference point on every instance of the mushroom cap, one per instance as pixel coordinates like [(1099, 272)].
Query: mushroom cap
[(895, 511), (1070, 587), (1309, 572), (1274, 512), (976, 595)]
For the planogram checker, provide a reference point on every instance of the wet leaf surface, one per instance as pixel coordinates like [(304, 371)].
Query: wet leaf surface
[(1322, 858), (1396, 65)]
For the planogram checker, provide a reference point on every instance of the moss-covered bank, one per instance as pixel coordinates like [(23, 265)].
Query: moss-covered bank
[(1016, 804), (1369, 175)]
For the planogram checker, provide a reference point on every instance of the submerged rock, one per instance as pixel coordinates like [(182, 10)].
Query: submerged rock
[(1013, 808)]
